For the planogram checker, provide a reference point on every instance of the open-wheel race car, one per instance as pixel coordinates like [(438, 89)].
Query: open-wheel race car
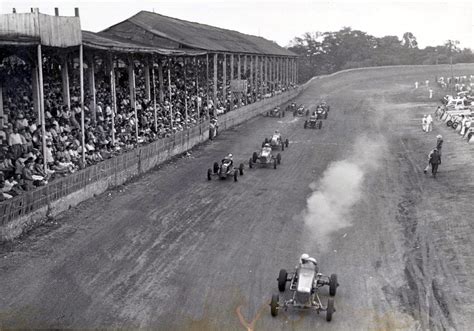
[(225, 169), (276, 141), (301, 111), (276, 112), (291, 107), (305, 282), (313, 123), (265, 157)]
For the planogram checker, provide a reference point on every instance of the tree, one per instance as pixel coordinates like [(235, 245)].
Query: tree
[(409, 40)]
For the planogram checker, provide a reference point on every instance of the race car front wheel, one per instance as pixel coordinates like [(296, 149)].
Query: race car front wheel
[(274, 305), (330, 309)]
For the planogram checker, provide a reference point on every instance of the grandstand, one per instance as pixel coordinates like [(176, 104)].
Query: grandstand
[(70, 99)]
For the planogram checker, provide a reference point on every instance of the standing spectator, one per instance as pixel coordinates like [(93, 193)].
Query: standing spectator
[(439, 143), (429, 123), (431, 93), (435, 161), (14, 141), (423, 123), (416, 85)]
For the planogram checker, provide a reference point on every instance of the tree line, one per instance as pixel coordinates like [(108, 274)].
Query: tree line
[(326, 52)]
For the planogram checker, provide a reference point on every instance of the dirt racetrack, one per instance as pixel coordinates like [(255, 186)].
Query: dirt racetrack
[(172, 251)]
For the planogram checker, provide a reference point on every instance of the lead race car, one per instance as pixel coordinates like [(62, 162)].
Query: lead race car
[(305, 283), (225, 169), (276, 141), (265, 157)]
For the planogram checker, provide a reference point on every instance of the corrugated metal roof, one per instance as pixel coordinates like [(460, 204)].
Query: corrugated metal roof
[(113, 43), (196, 35)]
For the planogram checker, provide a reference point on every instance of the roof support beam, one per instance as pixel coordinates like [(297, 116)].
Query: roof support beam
[(214, 86), (224, 80)]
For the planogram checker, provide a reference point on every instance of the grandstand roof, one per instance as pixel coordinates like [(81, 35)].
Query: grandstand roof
[(191, 35), (113, 43)]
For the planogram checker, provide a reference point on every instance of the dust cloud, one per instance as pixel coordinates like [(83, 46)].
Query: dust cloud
[(329, 207)]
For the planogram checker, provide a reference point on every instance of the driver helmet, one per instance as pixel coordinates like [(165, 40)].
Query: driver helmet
[(439, 137), (229, 156), (304, 257), (266, 145)]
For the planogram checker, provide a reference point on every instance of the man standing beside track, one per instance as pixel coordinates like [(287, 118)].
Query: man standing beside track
[(435, 161)]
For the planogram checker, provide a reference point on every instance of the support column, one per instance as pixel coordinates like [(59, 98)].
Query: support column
[(224, 79), (2, 122), (147, 80), (81, 79), (113, 92), (251, 81), (169, 88), (266, 75), (257, 71), (131, 74), (262, 74), (214, 90), (296, 70), (287, 76), (196, 73), (35, 88), (93, 104), (41, 106), (130, 80), (278, 73), (155, 116), (239, 77), (185, 94), (246, 79), (207, 84), (65, 79), (231, 79)]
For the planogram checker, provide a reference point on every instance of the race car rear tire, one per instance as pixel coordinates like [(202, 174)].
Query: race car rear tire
[(250, 163), (274, 305), (333, 285), (320, 125), (469, 136), (278, 158), (254, 157), (287, 142), (455, 125), (215, 167), (241, 169), (330, 309), (209, 172), (236, 174), (326, 116), (282, 277), (305, 124), (449, 123), (274, 164)]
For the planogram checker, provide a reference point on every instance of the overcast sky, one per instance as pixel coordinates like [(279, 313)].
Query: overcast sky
[(432, 22)]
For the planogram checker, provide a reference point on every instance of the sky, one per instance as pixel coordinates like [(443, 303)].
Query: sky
[(432, 22)]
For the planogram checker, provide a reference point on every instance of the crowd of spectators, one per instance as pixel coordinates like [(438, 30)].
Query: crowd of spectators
[(106, 134)]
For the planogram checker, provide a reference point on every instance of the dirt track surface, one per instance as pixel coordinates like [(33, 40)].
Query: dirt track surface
[(172, 251)]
